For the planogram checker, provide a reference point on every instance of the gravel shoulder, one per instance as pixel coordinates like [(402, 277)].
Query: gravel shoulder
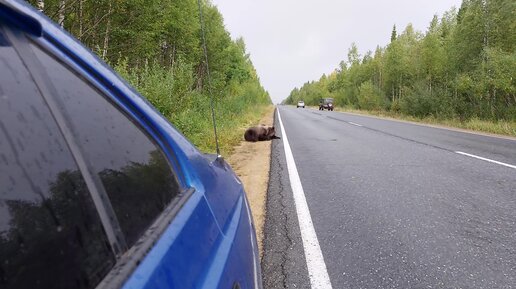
[(251, 162)]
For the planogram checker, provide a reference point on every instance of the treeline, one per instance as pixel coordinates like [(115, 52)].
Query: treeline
[(157, 46), (463, 67)]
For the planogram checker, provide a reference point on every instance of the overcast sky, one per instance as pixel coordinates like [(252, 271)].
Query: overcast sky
[(294, 41)]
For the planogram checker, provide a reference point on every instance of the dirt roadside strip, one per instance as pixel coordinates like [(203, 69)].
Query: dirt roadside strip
[(251, 163)]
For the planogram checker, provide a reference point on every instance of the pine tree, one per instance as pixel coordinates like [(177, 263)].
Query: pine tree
[(394, 34)]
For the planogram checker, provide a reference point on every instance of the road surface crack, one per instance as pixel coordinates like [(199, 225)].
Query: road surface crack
[(277, 238)]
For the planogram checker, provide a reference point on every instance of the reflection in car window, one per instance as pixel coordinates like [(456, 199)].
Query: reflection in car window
[(50, 233), (135, 173)]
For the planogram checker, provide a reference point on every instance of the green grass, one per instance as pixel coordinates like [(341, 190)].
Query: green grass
[(230, 128), (238, 107)]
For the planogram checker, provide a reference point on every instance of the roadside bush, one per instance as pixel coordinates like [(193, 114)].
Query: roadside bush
[(419, 101), (370, 97), (169, 90)]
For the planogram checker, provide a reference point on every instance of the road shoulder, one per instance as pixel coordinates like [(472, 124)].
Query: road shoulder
[(283, 262), (251, 163)]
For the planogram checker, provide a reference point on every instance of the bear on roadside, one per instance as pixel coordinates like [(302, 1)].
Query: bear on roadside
[(260, 133)]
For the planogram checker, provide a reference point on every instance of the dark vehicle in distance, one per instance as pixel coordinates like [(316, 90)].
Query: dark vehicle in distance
[(326, 103)]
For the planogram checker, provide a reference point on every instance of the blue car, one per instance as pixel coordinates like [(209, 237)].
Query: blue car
[(97, 189)]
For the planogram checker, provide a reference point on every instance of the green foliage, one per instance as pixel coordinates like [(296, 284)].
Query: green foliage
[(463, 67), (370, 97), (394, 34), (156, 45), (189, 110), (420, 102)]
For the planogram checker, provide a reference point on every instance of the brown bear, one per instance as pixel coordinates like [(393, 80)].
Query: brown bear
[(260, 133)]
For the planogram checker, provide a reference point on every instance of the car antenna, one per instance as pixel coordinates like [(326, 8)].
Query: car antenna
[(209, 79)]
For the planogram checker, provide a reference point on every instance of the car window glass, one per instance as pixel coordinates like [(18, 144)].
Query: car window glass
[(50, 233), (134, 171)]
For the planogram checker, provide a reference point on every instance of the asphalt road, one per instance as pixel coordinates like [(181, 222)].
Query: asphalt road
[(393, 204)]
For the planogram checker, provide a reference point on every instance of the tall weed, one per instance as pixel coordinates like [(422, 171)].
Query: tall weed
[(170, 91)]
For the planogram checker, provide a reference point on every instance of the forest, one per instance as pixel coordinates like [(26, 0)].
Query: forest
[(463, 67), (156, 45)]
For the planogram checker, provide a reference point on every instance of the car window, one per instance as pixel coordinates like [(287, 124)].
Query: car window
[(50, 233), (134, 171)]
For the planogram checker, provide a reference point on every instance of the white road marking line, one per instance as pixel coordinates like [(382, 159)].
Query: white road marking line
[(354, 123), (487, 160), (317, 272)]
